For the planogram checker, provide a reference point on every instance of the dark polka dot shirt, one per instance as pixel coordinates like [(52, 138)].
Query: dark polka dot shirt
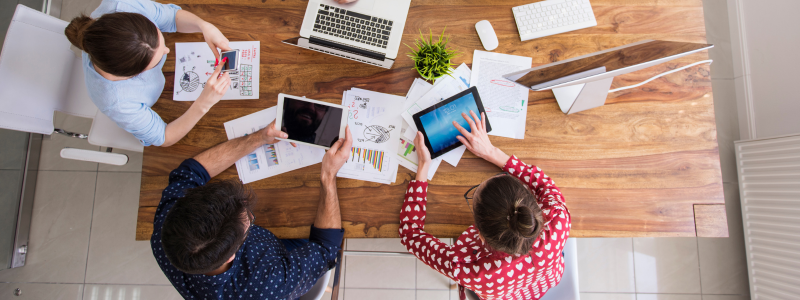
[(262, 269)]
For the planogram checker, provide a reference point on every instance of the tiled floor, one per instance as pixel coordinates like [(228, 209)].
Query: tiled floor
[(82, 240)]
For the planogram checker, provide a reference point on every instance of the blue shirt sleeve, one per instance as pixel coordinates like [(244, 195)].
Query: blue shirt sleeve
[(163, 15), (138, 119)]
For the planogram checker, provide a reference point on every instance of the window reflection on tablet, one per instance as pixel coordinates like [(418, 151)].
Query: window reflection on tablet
[(310, 122), (439, 122)]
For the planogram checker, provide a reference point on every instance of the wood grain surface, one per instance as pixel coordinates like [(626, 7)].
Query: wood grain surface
[(634, 167)]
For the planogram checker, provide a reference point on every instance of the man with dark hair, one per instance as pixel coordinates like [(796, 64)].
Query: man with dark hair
[(205, 241)]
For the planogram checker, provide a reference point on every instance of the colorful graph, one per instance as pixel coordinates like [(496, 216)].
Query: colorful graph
[(373, 157), (272, 156)]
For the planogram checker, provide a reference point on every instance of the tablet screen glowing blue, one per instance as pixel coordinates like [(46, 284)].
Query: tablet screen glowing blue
[(438, 124)]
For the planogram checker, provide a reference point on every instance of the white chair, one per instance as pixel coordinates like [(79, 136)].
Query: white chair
[(318, 290), (39, 75), (568, 288)]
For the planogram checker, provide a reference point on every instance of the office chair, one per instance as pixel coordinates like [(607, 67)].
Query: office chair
[(568, 288), (39, 75), (318, 290)]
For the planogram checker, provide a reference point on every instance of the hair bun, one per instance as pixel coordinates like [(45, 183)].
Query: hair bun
[(76, 29), (521, 220)]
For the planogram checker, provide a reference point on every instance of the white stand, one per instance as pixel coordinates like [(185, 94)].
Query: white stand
[(583, 96)]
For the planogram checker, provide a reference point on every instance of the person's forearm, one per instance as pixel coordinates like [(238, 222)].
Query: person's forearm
[(497, 157), (188, 22), (328, 215), (422, 171), (222, 156), (177, 129)]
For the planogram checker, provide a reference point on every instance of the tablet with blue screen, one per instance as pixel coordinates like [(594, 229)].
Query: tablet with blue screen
[(436, 122)]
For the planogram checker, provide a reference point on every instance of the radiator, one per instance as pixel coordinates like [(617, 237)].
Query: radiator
[(769, 186)]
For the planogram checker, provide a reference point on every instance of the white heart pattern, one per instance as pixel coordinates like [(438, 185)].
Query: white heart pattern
[(547, 247), (527, 259), (419, 189), (476, 268), (527, 178), (508, 259), (490, 284), (541, 263), (549, 256), (466, 280), (510, 273), (487, 266), (466, 270), (455, 272), (416, 208), (500, 280), (558, 225), (519, 266), (488, 276), (539, 254), (410, 190), (497, 263)]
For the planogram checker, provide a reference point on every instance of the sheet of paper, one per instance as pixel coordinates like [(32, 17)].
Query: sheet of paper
[(269, 160), (505, 101), (445, 88), (375, 125), (194, 64)]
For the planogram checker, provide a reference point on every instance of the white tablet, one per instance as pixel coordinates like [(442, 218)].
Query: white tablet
[(311, 122)]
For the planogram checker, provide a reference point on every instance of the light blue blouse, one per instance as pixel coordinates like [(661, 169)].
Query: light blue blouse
[(128, 102)]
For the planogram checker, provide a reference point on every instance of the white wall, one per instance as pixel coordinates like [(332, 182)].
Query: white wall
[(766, 55)]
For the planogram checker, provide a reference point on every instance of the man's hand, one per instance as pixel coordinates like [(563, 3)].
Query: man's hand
[(335, 158), (214, 38), (215, 88), (477, 140), (269, 133), (423, 157)]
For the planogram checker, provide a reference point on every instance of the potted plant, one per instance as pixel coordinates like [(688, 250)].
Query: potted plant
[(432, 59)]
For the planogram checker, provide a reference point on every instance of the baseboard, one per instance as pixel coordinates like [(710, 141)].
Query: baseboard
[(741, 60)]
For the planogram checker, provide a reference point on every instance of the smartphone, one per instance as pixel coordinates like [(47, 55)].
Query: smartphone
[(234, 57)]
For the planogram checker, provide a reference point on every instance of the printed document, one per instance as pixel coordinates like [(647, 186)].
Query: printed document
[(375, 125), (505, 101), (270, 159), (194, 64)]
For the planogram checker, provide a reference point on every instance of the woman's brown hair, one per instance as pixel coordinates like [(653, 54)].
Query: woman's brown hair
[(122, 44), (507, 215)]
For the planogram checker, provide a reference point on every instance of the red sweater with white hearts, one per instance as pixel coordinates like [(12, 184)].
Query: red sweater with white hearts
[(493, 274)]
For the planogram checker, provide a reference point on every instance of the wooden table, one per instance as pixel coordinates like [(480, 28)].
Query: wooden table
[(645, 164)]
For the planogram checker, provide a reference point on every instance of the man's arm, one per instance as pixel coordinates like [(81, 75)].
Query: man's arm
[(328, 215), (222, 156)]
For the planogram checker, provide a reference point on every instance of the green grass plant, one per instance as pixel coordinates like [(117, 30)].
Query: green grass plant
[(432, 59)]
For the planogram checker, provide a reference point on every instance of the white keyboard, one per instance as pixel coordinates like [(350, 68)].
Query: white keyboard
[(551, 17)]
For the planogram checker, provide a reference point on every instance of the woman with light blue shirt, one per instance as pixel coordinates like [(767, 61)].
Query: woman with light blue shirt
[(123, 53)]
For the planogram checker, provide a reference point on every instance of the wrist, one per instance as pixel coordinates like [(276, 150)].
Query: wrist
[(201, 105), (328, 179), (204, 26)]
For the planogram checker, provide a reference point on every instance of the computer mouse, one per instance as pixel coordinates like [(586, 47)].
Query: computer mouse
[(487, 35)]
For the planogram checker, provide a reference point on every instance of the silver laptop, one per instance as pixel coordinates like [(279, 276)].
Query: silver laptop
[(368, 31)]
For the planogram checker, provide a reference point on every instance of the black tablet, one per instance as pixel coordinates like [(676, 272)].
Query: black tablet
[(436, 122)]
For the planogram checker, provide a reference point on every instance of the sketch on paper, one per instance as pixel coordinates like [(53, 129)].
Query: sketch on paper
[(377, 133), (189, 81), (198, 63)]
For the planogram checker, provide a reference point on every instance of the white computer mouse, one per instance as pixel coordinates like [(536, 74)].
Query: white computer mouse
[(487, 35)]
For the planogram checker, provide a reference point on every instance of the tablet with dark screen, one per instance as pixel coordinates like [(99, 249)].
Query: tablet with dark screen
[(311, 122), (436, 122)]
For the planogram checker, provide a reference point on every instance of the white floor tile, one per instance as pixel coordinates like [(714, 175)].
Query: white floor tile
[(108, 292), (59, 237), (384, 272), (433, 294), (606, 265), (40, 291), (727, 297), (723, 262), (381, 245), (430, 279), (667, 297), (114, 254), (727, 122), (666, 265), (383, 294), (73, 8), (607, 296)]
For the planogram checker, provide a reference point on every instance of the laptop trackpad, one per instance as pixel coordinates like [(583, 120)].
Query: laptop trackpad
[(364, 6)]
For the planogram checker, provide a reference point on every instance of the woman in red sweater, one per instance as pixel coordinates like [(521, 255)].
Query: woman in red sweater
[(521, 225)]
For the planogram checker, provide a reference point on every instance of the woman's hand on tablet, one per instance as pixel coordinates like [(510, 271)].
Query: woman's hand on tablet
[(336, 156), (423, 157), (477, 139), (215, 88)]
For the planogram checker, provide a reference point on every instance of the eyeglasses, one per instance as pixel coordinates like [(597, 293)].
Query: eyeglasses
[(470, 194)]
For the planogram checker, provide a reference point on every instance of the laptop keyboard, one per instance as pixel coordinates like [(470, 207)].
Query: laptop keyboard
[(353, 26)]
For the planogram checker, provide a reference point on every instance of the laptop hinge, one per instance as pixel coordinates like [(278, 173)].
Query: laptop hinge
[(346, 48)]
